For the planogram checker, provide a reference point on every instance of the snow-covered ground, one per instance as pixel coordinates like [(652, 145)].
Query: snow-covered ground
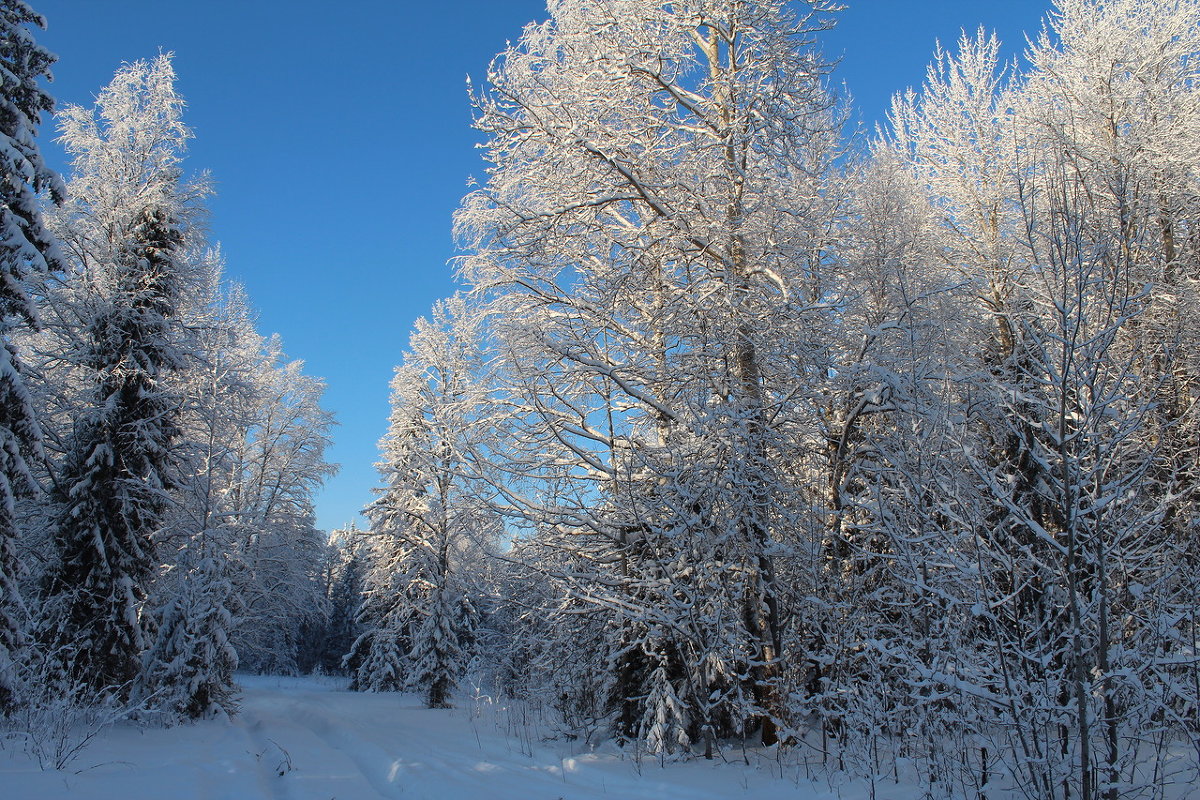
[(302, 738)]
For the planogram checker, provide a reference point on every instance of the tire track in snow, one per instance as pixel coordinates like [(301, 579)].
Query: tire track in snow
[(412, 764), (264, 752), (370, 760), (221, 773)]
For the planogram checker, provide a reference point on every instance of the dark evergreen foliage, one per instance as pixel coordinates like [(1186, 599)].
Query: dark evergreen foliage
[(336, 638), (26, 247), (114, 484)]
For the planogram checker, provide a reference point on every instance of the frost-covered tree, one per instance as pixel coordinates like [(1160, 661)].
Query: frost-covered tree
[(188, 670), (544, 646), (125, 226), (251, 454), (894, 349), (26, 248), (651, 236), (1062, 198), (277, 465), (347, 560), (431, 529), (1109, 140)]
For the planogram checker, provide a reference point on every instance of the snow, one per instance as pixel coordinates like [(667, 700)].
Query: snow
[(302, 738)]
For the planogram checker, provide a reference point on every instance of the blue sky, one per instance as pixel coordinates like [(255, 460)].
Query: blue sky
[(339, 138)]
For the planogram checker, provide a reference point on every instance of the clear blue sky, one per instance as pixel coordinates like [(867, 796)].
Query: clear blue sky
[(339, 138)]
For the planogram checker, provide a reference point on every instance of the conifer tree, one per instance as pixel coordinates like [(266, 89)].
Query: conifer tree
[(127, 224), (344, 584), (189, 668), (431, 528), (26, 247)]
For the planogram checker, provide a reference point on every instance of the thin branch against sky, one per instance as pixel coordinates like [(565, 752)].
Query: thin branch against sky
[(340, 147)]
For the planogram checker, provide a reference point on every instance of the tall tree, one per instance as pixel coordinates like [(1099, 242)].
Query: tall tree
[(651, 233), (188, 668), (432, 529), (26, 247), (125, 225), (276, 467), (1062, 198), (343, 587)]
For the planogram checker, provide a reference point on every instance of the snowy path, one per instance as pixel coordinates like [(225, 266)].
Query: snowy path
[(300, 739)]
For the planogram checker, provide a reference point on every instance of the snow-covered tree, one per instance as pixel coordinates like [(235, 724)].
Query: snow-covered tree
[(126, 226), (431, 529), (251, 450), (1109, 137), (347, 558), (188, 671), (893, 350), (26, 248), (277, 466), (651, 236), (1062, 196)]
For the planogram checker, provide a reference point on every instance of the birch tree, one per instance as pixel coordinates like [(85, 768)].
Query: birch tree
[(650, 226), (1059, 196), (187, 671), (276, 467)]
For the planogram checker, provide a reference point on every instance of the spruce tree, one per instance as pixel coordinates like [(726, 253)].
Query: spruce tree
[(431, 527), (189, 668), (26, 247), (345, 584), (127, 218)]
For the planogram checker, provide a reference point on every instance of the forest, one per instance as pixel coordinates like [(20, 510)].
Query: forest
[(744, 428)]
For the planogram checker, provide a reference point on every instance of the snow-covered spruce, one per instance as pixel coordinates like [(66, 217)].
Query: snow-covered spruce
[(125, 228), (26, 248), (430, 530), (188, 672), (231, 448)]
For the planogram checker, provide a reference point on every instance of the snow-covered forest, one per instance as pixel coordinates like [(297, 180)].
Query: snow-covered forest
[(746, 432)]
